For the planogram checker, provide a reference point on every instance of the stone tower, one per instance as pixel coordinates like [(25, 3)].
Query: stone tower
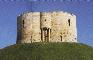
[(46, 27)]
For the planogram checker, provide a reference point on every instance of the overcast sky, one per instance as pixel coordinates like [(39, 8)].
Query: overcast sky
[(10, 10)]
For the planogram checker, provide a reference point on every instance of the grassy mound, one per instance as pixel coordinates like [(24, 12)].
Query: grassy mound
[(47, 51)]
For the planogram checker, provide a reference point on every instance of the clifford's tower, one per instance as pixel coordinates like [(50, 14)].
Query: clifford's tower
[(46, 27)]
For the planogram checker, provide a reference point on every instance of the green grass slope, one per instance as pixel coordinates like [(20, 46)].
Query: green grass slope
[(47, 51)]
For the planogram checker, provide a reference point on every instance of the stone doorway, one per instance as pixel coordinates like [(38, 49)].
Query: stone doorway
[(45, 34)]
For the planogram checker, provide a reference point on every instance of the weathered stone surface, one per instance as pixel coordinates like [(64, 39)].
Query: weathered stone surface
[(46, 27)]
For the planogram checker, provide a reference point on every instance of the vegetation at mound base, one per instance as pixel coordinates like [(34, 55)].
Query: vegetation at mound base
[(47, 51)]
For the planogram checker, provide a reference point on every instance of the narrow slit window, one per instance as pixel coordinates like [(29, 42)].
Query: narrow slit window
[(23, 23), (31, 39), (61, 38), (45, 19), (69, 22)]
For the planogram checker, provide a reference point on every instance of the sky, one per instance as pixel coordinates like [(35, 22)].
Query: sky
[(10, 10)]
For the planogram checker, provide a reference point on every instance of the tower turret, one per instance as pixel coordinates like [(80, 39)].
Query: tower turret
[(45, 26)]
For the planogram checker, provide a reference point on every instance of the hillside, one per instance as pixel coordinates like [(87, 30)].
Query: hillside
[(47, 51)]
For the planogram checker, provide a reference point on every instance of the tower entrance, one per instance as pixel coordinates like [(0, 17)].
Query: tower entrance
[(45, 34)]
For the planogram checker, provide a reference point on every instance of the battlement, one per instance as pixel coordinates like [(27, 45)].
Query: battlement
[(56, 26), (49, 12)]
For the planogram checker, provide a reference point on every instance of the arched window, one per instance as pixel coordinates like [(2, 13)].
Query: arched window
[(69, 22)]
